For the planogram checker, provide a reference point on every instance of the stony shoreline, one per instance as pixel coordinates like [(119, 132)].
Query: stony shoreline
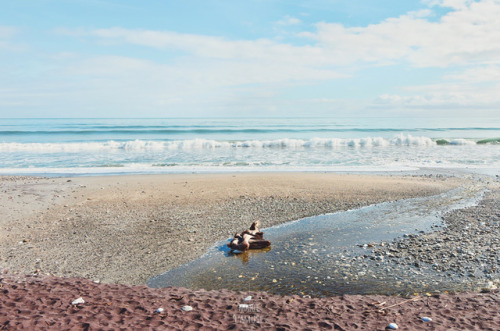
[(465, 251), (462, 254)]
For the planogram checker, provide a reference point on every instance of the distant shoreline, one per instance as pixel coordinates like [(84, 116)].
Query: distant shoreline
[(368, 171)]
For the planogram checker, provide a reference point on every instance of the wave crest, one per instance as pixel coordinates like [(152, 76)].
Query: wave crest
[(203, 144)]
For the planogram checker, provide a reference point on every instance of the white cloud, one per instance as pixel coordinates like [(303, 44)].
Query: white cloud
[(186, 76), (444, 96), (288, 20), (456, 4), (469, 34), (184, 87), (213, 60), (217, 47), (6, 35), (467, 40), (472, 88), (7, 32), (200, 70), (474, 75), (441, 98)]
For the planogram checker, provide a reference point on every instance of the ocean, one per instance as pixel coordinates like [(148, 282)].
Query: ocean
[(182, 145)]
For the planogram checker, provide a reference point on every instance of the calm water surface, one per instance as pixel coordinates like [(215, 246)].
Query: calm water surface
[(320, 256)]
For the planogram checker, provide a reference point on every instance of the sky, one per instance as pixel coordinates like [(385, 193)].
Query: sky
[(235, 58)]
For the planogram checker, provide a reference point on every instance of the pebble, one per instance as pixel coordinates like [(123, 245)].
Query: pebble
[(467, 260), (393, 326), (187, 308), (78, 301)]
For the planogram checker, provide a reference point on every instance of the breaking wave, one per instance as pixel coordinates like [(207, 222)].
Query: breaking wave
[(202, 144)]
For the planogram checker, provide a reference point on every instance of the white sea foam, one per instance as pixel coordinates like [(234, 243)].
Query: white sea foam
[(409, 140), (462, 142), (201, 144), (147, 168)]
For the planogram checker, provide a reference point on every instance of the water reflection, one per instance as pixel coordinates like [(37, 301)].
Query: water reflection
[(244, 257), (324, 255)]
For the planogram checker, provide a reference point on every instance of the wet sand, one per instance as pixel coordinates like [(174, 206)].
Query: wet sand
[(125, 229)]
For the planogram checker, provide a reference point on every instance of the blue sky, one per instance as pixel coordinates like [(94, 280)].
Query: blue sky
[(166, 58)]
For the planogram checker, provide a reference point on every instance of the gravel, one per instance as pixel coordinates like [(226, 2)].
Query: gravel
[(463, 254)]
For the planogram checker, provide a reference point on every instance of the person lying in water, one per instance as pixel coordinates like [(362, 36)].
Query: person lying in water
[(252, 238)]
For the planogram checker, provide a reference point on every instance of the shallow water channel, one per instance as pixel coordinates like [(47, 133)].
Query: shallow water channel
[(322, 255)]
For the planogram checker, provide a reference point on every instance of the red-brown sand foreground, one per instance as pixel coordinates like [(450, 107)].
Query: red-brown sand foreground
[(35, 303)]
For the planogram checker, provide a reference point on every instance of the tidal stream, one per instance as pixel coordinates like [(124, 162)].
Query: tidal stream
[(328, 254)]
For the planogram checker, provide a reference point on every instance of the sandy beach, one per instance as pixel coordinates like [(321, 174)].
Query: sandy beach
[(102, 238)]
